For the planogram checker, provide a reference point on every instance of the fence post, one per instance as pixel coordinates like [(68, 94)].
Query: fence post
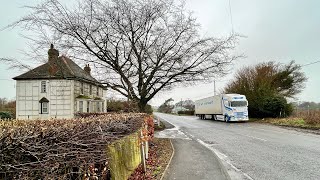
[(143, 159), (146, 145)]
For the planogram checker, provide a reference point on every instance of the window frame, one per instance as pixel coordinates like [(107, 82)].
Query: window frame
[(81, 106), (43, 86), (88, 106), (98, 91), (98, 106), (81, 88)]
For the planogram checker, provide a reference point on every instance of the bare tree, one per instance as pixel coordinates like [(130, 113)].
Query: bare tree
[(139, 47)]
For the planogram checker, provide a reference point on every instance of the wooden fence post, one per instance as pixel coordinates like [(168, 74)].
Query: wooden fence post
[(143, 155)]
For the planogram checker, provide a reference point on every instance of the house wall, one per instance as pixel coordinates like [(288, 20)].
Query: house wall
[(90, 97), (60, 94)]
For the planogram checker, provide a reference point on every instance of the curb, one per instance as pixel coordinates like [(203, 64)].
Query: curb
[(222, 167), (165, 170)]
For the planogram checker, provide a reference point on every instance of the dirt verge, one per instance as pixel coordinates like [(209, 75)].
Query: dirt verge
[(160, 151)]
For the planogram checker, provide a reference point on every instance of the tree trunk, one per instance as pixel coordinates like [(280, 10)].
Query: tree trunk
[(142, 106)]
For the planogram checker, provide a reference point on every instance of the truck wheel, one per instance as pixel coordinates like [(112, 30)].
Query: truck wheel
[(225, 118)]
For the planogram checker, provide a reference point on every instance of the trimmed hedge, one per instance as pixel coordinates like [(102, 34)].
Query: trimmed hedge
[(62, 149), (186, 112)]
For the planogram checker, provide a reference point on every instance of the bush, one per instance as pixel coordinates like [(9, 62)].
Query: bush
[(186, 112), (61, 149), (5, 115), (311, 117), (270, 106), (125, 106)]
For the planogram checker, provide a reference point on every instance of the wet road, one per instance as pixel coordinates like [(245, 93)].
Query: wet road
[(252, 150)]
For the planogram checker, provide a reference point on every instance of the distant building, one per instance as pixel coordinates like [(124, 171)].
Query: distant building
[(176, 109), (58, 89)]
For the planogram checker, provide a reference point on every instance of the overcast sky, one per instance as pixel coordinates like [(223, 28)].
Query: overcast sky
[(275, 30)]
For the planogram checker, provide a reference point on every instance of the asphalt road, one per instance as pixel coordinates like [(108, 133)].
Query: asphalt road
[(253, 150)]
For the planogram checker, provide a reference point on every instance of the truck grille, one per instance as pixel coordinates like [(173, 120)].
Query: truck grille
[(239, 114)]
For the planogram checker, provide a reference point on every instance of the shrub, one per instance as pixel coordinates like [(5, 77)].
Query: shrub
[(61, 149), (270, 106), (311, 117), (5, 115), (186, 112), (125, 106)]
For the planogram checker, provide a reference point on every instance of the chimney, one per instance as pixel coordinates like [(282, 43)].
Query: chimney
[(53, 54), (87, 69)]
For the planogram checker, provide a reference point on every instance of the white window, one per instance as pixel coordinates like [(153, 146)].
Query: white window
[(98, 107), (80, 106), (81, 88), (43, 86), (88, 106), (44, 108), (44, 105), (97, 91)]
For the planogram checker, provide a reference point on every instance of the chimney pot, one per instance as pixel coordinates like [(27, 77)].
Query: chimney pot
[(87, 69)]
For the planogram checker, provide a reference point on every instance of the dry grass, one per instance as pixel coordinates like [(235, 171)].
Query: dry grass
[(302, 119)]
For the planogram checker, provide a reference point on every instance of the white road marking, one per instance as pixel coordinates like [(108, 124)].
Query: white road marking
[(172, 133), (236, 174)]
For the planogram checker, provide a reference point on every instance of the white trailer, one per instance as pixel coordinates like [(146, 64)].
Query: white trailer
[(227, 107)]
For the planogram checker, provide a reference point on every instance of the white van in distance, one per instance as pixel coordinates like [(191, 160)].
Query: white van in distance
[(227, 107)]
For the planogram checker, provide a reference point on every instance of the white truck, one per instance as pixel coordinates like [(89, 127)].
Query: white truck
[(227, 107)]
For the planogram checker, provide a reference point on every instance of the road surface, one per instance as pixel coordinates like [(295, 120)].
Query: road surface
[(253, 150)]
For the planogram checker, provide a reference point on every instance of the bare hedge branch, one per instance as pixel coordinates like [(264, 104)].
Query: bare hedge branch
[(61, 149)]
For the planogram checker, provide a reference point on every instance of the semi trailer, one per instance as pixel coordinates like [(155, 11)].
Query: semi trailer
[(226, 107)]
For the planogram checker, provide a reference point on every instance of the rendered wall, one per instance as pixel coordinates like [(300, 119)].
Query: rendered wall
[(124, 156), (58, 92)]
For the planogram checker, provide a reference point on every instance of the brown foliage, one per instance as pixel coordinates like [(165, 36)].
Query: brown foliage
[(8, 106), (61, 149), (311, 117), (266, 86)]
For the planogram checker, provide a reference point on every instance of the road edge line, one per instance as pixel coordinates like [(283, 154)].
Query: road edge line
[(165, 170), (218, 158)]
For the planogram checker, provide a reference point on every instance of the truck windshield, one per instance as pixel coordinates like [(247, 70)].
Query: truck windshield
[(238, 103)]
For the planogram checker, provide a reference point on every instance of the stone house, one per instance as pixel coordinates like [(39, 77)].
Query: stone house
[(58, 89)]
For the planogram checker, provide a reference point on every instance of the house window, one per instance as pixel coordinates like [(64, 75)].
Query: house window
[(98, 107), (44, 105), (81, 88), (44, 108), (80, 106), (102, 108), (43, 86), (97, 91), (88, 105), (90, 89)]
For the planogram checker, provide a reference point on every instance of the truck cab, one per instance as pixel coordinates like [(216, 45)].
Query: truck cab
[(235, 107)]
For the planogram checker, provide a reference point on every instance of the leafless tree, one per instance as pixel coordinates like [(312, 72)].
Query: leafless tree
[(139, 47)]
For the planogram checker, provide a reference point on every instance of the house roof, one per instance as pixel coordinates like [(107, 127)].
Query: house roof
[(60, 68)]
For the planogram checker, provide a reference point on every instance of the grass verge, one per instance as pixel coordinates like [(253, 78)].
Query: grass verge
[(291, 122)]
